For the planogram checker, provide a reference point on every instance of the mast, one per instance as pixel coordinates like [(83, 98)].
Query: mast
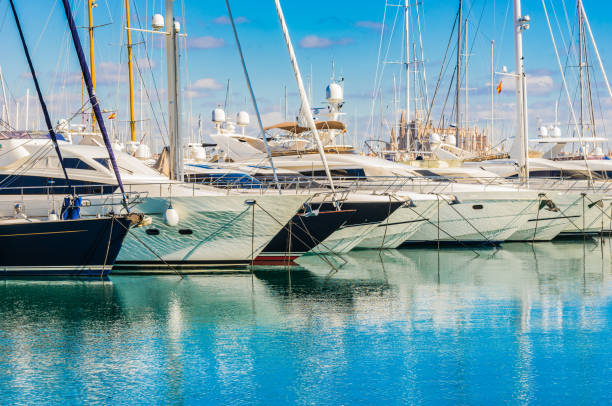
[(305, 103), (465, 56), (253, 99), (176, 150), (458, 77), (93, 100), (27, 110), (407, 66), (43, 105), (92, 59), (581, 73), (588, 27), (492, 93), (130, 70), (521, 23), (5, 111)]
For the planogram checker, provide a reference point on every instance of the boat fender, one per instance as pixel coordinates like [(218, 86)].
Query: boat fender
[(171, 216), (52, 216)]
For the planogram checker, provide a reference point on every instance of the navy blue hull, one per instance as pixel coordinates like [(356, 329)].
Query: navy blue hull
[(302, 234), (52, 248)]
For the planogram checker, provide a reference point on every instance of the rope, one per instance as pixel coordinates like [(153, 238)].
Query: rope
[(154, 253), (441, 229), (108, 246), (297, 238), (382, 244), (214, 233), (535, 230), (467, 221)]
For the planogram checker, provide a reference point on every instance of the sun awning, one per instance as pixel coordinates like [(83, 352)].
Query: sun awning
[(295, 128)]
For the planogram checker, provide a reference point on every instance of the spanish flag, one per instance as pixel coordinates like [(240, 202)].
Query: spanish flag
[(499, 87), (112, 116)]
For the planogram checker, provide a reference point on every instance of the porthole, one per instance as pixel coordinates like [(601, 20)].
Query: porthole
[(185, 231), (477, 207), (152, 231)]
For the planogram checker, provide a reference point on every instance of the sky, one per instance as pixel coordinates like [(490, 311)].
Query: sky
[(345, 32)]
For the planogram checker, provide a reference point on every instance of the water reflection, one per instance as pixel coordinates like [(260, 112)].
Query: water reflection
[(401, 326)]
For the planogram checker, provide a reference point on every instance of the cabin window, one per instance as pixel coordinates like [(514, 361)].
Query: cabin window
[(76, 163), (103, 161), (152, 231), (185, 231), (477, 207)]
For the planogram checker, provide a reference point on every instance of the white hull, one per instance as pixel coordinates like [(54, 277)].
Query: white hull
[(478, 217), (399, 227)]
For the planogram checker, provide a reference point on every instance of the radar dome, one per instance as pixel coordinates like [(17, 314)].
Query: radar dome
[(243, 119), (542, 131), (451, 140), (334, 93), (556, 132), (218, 116), (143, 152), (434, 138), (157, 22)]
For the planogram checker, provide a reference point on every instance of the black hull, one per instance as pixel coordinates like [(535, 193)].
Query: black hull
[(53, 248), (369, 212), (303, 233)]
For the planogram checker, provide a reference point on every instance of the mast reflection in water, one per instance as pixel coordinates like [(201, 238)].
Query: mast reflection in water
[(525, 323)]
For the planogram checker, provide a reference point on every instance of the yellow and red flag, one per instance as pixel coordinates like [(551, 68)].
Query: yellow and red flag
[(112, 116), (499, 87)]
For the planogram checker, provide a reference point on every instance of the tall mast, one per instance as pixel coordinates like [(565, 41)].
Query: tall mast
[(492, 93), (465, 56), (521, 23), (407, 66), (92, 60), (5, 112), (130, 71), (27, 110), (458, 76), (176, 150), (581, 73), (305, 103)]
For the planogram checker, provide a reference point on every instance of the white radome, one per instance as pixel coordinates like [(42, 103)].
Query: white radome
[(334, 93), (434, 138), (157, 22), (218, 116), (243, 119)]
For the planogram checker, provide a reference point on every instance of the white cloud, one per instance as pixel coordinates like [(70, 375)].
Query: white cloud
[(373, 25), (205, 42), (314, 41), (206, 84), (224, 20)]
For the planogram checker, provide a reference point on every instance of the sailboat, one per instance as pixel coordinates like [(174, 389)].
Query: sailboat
[(64, 245)]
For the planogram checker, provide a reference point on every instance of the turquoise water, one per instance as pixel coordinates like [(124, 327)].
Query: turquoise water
[(524, 324)]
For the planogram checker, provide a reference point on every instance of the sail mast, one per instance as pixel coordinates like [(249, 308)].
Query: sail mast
[(407, 68), (305, 103), (458, 77), (521, 23), (176, 150), (43, 105), (92, 59), (130, 70), (93, 100)]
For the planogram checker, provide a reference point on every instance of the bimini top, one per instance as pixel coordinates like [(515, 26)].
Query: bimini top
[(295, 128)]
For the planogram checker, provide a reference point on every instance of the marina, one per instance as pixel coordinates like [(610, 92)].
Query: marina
[(448, 241)]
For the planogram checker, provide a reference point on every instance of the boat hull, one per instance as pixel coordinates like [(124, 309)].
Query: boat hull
[(217, 232), (303, 233), (86, 247), (368, 215)]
